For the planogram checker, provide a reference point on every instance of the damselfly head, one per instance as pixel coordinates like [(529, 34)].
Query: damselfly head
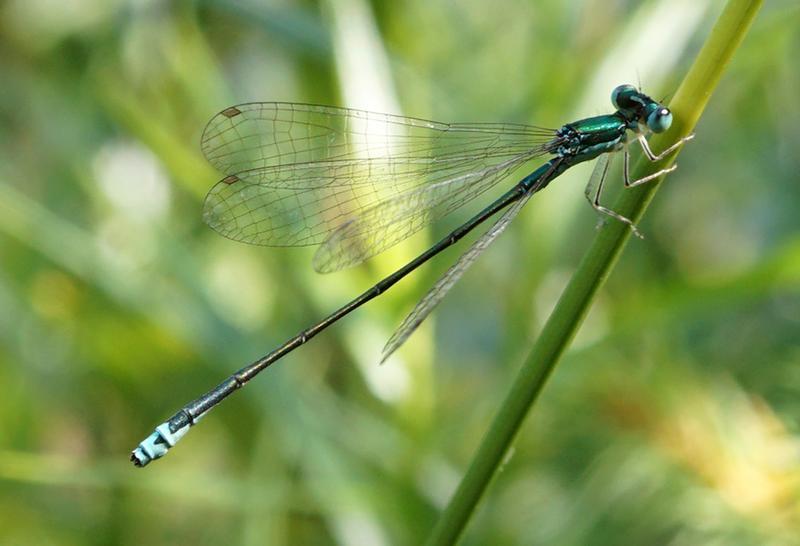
[(635, 105)]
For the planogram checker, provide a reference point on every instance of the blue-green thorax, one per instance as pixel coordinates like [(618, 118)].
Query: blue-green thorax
[(589, 138)]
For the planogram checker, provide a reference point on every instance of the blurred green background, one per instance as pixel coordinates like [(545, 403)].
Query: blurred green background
[(674, 419)]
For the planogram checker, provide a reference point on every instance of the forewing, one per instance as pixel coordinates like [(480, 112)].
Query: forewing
[(246, 139), (446, 282), (298, 172)]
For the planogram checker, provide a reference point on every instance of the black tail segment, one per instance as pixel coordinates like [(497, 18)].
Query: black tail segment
[(168, 433)]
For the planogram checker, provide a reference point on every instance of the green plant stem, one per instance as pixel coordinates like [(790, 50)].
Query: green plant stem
[(689, 103)]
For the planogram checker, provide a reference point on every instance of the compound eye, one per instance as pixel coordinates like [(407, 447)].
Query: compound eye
[(659, 120), (621, 97)]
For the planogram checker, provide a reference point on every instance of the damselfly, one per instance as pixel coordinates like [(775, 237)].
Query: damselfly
[(357, 183)]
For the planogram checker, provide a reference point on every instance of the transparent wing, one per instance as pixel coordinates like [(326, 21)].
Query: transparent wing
[(446, 282), (298, 172), (397, 218), (246, 139)]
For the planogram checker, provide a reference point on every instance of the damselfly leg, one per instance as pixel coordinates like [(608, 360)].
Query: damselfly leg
[(594, 188), (652, 157)]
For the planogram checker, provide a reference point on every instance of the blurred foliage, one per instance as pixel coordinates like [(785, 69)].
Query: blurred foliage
[(673, 420)]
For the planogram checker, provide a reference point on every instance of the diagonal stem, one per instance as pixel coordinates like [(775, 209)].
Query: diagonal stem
[(689, 103)]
